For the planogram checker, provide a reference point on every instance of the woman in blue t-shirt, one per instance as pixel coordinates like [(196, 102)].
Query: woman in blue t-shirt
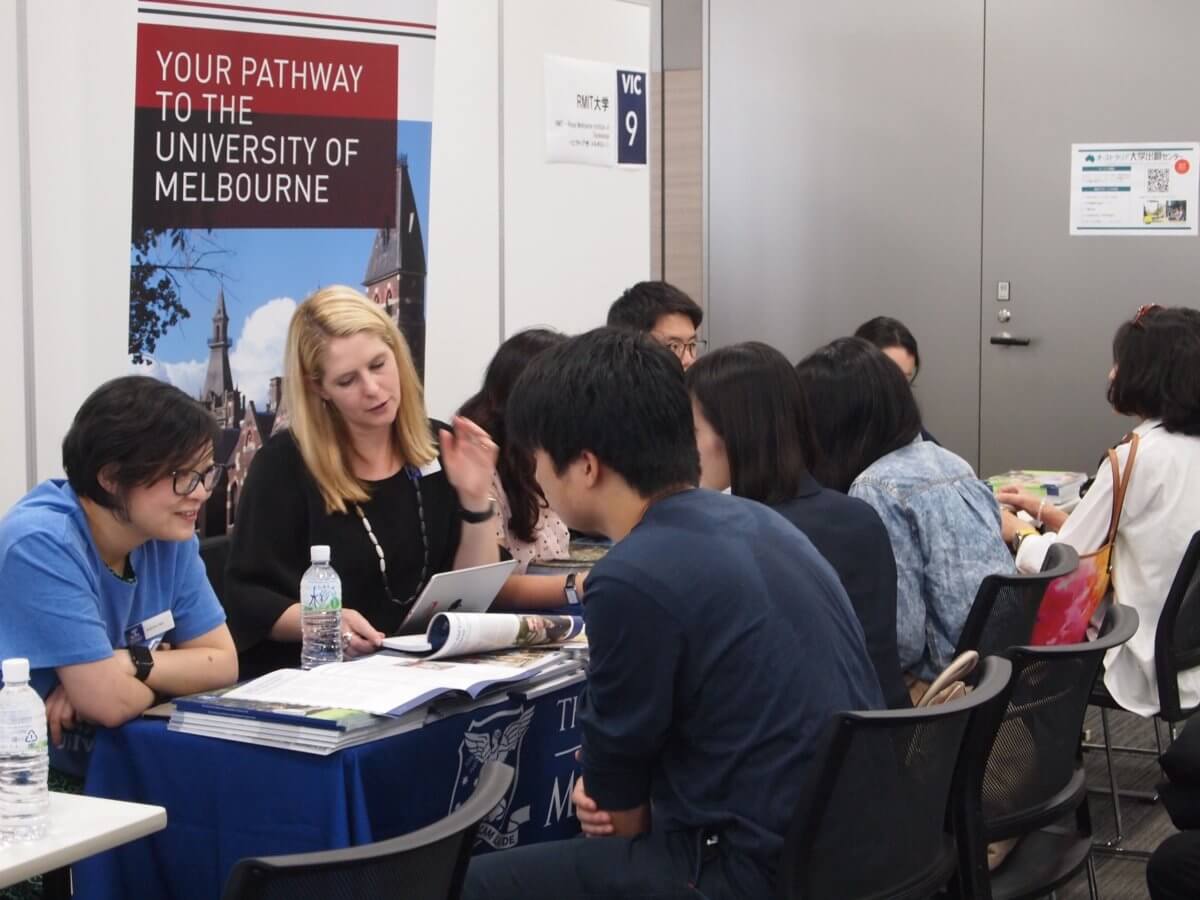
[(749, 411), (101, 572)]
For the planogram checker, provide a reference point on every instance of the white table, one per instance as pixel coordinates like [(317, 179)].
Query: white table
[(79, 827)]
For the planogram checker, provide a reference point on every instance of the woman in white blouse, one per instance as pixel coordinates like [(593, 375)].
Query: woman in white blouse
[(1156, 378)]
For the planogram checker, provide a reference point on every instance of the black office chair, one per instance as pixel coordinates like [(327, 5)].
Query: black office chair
[(1176, 649), (214, 553), (1029, 782), (1006, 606), (872, 820), (1177, 638), (428, 864)]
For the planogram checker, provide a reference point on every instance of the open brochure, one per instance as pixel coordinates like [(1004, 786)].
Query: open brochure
[(387, 684), (457, 634)]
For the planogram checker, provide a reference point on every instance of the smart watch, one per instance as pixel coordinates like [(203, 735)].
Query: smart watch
[(143, 661), (569, 591), (477, 518)]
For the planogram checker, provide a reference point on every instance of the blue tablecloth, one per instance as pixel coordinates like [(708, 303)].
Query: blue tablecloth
[(226, 800)]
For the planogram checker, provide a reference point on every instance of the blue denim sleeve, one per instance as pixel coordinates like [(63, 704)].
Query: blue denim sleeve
[(962, 545), (910, 575)]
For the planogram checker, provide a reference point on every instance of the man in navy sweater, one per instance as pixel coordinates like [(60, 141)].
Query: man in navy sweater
[(721, 644)]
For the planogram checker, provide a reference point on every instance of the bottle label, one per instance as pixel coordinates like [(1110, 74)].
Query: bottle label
[(21, 734), (319, 598)]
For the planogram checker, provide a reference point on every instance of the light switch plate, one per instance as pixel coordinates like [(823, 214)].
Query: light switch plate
[(1002, 291)]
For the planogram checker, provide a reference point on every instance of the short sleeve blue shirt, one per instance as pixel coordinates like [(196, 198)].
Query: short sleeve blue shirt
[(60, 605)]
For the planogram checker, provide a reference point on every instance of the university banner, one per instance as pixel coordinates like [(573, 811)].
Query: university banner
[(278, 147)]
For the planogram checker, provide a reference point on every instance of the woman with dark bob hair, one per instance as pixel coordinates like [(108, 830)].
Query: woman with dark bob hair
[(100, 573), (864, 438), (526, 527), (1156, 379), (749, 412)]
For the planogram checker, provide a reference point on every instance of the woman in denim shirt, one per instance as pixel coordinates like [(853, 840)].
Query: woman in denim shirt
[(864, 439)]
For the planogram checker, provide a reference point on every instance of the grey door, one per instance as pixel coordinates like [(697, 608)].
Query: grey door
[(1058, 73), (844, 168)]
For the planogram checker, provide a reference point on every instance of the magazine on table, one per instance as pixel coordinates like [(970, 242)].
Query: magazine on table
[(1057, 487), (459, 634), (287, 737), (390, 684), (312, 716), (301, 728)]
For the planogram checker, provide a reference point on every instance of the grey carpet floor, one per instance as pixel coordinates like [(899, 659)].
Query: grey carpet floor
[(1146, 825)]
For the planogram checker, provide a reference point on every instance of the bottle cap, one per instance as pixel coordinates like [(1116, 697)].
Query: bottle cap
[(319, 553), (16, 670)]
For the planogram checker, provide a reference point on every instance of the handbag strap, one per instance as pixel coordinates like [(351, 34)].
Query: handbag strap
[(1120, 485)]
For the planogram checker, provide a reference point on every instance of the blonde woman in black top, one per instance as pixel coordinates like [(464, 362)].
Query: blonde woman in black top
[(358, 469)]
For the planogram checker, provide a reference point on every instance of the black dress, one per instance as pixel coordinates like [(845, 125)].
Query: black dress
[(281, 514)]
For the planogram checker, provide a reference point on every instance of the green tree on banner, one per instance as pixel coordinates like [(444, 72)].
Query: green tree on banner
[(159, 257)]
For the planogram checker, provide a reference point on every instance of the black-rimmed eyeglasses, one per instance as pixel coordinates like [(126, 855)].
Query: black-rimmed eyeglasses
[(692, 348), (184, 481)]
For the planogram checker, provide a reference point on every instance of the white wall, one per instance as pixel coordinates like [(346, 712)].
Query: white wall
[(12, 375), (80, 75), (573, 237), (462, 317)]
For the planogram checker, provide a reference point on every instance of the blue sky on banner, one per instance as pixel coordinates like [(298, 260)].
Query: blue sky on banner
[(265, 273)]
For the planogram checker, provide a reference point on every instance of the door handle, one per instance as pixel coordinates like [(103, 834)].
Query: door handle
[(1007, 340)]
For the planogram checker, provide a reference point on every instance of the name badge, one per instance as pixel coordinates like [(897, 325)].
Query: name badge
[(431, 468), (151, 630)]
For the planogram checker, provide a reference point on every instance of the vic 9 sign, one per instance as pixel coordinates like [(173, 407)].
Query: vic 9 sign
[(631, 109)]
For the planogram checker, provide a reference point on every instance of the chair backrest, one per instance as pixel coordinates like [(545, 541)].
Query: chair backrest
[(872, 820), (1015, 775), (1006, 606), (1177, 640), (428, 864), (214, 553)]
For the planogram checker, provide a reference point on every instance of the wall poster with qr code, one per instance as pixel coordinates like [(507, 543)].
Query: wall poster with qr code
[(1141, 189)]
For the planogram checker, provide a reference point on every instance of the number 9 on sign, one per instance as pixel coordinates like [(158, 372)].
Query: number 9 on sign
[(631, 112)]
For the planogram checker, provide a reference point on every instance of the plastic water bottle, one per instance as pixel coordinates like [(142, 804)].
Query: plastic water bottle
[(24, 757), (320, 611)]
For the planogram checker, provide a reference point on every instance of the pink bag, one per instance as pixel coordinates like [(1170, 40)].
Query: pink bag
[(1069, 602)]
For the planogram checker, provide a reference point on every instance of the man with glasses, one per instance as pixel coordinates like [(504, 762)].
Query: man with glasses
[(100, 572), (664, 312)]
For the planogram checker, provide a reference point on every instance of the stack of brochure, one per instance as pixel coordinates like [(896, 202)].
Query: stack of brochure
[(313, 729), (341, 705)]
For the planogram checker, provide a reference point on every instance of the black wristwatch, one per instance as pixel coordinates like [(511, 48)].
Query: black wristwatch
[(569, 591), (475, 518), (143, 661)]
